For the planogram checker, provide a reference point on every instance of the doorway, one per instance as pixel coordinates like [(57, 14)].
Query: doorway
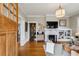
[(32, 31)]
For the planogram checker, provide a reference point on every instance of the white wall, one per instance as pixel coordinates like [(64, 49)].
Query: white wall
[(74, 24), (27, 33), (22, 31), (51, 18), (78, 24)]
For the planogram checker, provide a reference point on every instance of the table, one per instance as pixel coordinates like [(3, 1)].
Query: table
[(64, 40), (71, 49)]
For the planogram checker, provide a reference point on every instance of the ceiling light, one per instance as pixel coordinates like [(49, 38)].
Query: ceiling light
[(60, 12)]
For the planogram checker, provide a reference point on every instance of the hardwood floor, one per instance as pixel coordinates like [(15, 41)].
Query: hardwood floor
[(32, 49)]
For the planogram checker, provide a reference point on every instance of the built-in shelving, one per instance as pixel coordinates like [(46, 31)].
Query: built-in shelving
[(65, 33), (9, 10), (8, 29)]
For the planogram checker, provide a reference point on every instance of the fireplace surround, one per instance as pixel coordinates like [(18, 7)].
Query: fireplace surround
[(51, 34), (53, 38)]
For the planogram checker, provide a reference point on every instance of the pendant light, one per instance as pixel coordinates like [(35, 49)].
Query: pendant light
[(60, 12)]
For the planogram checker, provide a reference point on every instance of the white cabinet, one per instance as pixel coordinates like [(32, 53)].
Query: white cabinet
[(40, 37)]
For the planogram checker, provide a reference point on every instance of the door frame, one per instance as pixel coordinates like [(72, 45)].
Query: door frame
[(29, 29)]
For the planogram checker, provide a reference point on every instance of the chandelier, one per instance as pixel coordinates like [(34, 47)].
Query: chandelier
[(60, 12)]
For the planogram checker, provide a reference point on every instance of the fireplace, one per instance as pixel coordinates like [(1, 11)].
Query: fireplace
[(51, 34), (52, 38)]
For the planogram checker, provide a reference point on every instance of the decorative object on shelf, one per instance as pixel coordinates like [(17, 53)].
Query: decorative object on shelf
[(77, 35), (60, 12), (61, 34), (62, 22)]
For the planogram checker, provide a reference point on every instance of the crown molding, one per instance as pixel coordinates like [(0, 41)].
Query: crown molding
[(35, 16)]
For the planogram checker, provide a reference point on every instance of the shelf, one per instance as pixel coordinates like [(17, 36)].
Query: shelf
[(64, 34), (5, 12), (10, 10), (8, 30)]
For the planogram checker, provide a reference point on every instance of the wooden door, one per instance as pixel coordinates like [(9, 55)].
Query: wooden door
[(11, 45), (2, 44)]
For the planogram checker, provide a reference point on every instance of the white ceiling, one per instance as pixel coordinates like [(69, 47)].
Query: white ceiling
[(47, 8)]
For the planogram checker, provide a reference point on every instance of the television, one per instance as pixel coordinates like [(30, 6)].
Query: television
[(52, 24)]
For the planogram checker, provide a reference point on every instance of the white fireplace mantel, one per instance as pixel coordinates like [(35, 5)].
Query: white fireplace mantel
[(50, 32), (56, 31)]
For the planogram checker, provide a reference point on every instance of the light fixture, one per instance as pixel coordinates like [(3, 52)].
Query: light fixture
[(60, 12)]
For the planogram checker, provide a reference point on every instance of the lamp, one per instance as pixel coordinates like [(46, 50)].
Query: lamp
[(77, 38), (60, 12), (77, 35)]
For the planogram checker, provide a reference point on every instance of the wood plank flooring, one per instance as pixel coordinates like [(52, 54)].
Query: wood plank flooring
[(32, 49)]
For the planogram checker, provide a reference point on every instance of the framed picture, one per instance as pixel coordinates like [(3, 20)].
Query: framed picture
[(62, 22), (26, 26)]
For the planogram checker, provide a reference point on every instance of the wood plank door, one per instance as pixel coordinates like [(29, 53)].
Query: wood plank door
[(2, 44), (11, 45)]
